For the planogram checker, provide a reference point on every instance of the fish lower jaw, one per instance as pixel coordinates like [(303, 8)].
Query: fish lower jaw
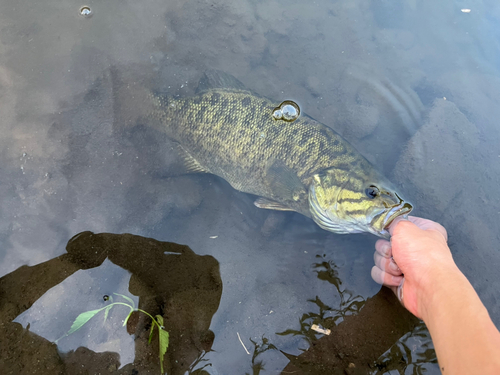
[(402, 209)]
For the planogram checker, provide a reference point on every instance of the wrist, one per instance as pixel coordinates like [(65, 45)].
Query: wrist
[(443, 284)]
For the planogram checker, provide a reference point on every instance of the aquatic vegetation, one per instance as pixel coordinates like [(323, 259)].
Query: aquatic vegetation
[(326, 316), (413, 352), (259, 348), (163, 336)]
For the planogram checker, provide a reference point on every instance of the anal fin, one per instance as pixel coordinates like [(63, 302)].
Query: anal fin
[(269, 204)]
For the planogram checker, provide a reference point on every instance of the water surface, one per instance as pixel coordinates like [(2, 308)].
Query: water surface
[(414, 86)]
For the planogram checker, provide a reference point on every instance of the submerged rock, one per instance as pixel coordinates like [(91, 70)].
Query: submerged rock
[(438, 158)]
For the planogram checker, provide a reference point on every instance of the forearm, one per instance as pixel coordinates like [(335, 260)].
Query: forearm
[(465, 338)]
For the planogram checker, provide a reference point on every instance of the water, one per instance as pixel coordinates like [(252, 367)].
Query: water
[(414, 86)]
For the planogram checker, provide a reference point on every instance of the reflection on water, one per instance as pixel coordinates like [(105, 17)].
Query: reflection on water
[(170, 280)]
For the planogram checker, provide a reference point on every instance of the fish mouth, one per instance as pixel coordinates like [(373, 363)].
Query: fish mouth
[(404, 208)]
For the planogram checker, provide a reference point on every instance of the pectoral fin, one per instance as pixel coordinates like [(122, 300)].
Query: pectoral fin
[(284, 182), (190, 163), (269, 204)]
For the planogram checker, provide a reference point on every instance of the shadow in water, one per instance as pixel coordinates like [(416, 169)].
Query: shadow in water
[(169, 279)]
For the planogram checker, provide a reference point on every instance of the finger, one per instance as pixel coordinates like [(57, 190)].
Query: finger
[(387, 264), (383, 247), (384, 278), (426, 224)]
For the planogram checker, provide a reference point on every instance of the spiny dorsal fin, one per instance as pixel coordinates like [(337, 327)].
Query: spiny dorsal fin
[(216, 79), (190, 163), (269, 204)]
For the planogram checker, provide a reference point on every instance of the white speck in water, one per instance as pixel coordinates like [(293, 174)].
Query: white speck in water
[(465, 10)]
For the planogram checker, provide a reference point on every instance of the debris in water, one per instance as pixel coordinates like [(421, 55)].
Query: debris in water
[(85, 11), (244, 347), (318, 329)]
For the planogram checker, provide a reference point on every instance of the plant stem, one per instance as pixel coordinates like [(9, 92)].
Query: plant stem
[(148, 314)]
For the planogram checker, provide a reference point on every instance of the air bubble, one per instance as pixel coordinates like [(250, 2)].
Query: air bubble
[(287, 111), (85, 11)]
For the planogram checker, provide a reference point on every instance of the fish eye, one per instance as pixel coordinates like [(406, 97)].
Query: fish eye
[(372, 192)]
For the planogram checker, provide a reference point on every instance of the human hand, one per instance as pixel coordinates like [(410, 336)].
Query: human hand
[(85, 251), (416, 256)]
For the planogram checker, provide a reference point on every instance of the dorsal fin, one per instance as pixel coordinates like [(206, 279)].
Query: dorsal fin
[(216, 79)]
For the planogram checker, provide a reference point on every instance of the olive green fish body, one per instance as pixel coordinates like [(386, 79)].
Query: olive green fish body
[(230, 132)]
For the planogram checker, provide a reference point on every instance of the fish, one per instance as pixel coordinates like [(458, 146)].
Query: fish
[(303, 165)]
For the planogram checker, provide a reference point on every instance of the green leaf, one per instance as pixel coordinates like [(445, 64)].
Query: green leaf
[(82, 319), (159, 319), (163, 340), (126, 319), (106, 312), (127, 298), (151, 333)]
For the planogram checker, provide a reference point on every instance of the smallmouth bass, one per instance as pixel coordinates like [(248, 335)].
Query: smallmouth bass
[(301, 166)]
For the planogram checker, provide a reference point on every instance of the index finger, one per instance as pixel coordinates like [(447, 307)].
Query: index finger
[(424, 224), (427, 224)]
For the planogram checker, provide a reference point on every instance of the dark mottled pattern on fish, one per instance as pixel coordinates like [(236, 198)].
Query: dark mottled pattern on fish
[(231, 133)]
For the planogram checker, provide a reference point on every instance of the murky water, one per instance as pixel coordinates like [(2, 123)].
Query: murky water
[(414, 86)]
